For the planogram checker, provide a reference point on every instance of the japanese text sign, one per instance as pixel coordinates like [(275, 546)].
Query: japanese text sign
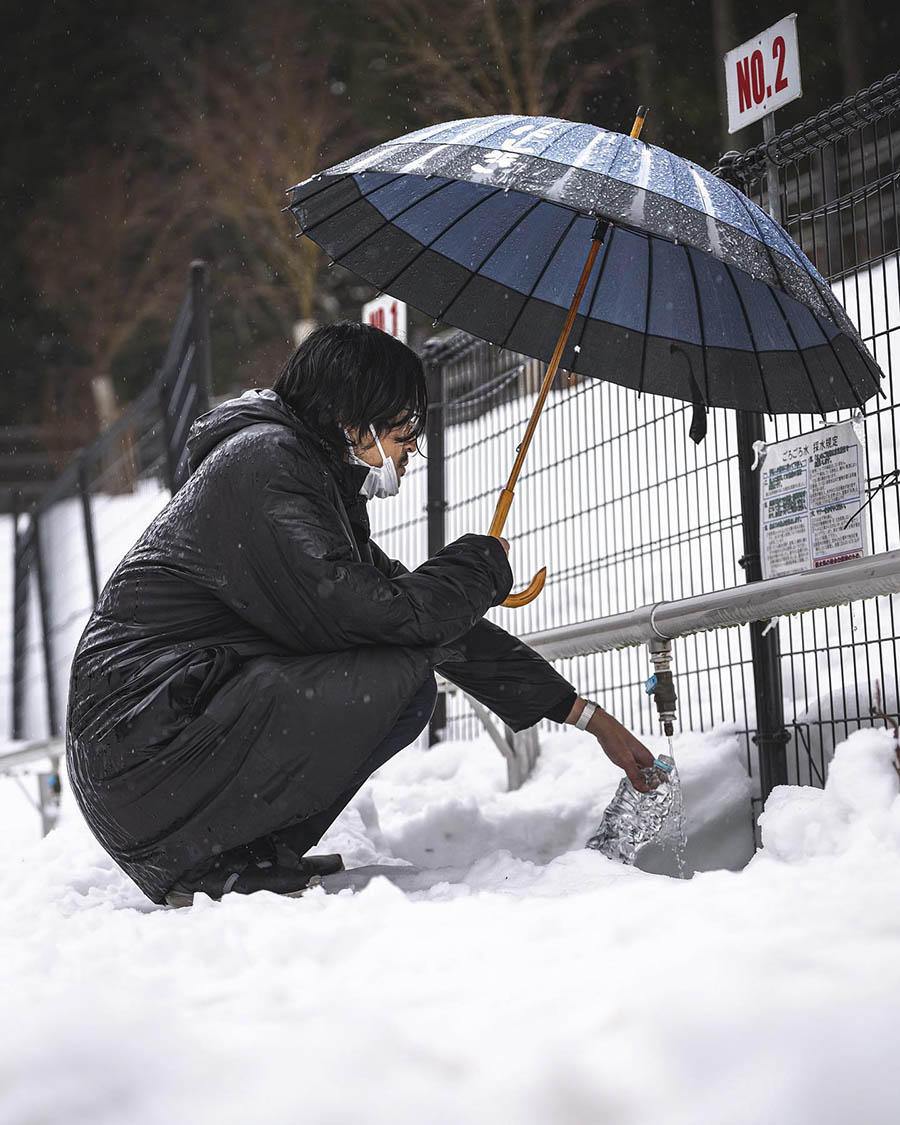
[(811, 490)]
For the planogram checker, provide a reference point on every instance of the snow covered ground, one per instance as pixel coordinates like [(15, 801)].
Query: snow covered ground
[(534, 981), (547, 984)]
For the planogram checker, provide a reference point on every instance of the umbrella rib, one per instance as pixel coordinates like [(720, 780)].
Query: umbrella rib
[(740, 300), (387, 222), (877, 381), (646, 314), (425, 245), (610, 230), (539, 278), (859, 401), (609, 171), (788, 324), (365, 195), (690, 263), (830, 343), (493, 250), (331, 184), (541, 155)]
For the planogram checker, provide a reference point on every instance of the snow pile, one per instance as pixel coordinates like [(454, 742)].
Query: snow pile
[(533, 981), (856, 816)]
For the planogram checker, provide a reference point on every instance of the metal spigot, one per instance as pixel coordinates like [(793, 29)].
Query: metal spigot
[(661, 685)]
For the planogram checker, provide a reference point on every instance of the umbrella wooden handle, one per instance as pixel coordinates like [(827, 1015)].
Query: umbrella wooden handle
[(531, 591), (506, 496)]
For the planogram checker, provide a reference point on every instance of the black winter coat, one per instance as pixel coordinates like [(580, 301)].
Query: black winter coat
[(255, 645)]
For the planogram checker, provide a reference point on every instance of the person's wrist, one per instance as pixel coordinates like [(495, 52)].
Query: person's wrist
[(587, 713), (600, 723), (576, 715)]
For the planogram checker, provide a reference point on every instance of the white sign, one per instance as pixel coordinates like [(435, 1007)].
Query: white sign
[(810, 493), (763, 74), (388, 314)]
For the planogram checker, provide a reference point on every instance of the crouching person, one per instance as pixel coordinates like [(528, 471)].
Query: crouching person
[(255, 656)]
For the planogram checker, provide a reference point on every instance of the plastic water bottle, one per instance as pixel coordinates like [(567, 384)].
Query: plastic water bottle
[(633, 819)]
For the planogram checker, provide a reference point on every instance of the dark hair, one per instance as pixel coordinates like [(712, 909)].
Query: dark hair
[(350, 374)]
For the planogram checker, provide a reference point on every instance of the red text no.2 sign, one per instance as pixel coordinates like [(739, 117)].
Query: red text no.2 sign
[(388, 314), (763, 74)]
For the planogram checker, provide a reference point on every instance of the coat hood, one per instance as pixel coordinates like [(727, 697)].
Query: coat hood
[(236, 414), (252, 408)]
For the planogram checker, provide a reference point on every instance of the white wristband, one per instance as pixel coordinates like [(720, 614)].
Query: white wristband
[(587, 713)]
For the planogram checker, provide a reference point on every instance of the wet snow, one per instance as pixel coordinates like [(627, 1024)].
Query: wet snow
[(549, 984)]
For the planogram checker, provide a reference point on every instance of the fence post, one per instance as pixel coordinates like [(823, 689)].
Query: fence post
[(84, 492), (200, 334), (771, 735), (765, 648), (436, 504), (20, 620), (49, 671)]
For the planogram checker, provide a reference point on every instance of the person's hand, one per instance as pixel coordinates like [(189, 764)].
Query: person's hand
[(504, 543), (622, 748)]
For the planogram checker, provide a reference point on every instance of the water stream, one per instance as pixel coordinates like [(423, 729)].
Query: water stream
[(672, 835)]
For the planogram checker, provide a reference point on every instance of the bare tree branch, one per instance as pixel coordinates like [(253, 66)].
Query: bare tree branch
[(480, 57)]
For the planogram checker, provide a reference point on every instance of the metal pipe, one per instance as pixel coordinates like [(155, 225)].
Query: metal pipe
[(771, 735), (37, 751), (436, 505), (20, 620), (855, 580), (200, 334), (46, 643), (84, 491)]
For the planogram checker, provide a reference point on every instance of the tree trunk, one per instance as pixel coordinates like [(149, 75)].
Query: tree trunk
[(847, 14), (724, 39), (648, 81)]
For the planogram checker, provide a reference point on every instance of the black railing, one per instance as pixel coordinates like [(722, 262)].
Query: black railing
[(68, 542)]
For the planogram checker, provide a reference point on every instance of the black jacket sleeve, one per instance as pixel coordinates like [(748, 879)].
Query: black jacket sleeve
[(500, 671), (295, 575), (507, 676)]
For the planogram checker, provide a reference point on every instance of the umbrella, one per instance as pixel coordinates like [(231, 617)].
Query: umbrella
[(682, 286)]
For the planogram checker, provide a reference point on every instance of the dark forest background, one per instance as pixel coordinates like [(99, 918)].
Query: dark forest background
[(138, 136)]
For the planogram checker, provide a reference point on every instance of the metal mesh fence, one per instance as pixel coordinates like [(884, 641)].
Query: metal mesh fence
[(838, 198), (625, 510), (69, 543)]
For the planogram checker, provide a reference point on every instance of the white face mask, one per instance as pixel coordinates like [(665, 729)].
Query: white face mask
[(382, 479)]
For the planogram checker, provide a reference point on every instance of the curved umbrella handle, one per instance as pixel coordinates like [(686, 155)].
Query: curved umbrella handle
[(534, 587), (531, 591)]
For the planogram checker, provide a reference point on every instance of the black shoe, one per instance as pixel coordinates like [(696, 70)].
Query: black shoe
[(320, 864), (288, 881)]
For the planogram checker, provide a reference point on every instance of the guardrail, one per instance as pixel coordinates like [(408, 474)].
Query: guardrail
[(739, 605)]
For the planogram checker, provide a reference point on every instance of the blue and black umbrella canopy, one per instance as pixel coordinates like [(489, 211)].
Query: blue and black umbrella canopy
[(696, 293)]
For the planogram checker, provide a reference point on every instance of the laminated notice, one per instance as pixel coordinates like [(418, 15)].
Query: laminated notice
[(811, 490)]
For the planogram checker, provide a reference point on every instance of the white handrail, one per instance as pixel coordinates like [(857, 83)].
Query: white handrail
[(31, 752), (756, 601)]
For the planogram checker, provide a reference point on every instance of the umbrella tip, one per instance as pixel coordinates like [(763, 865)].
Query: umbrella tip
[(640, 116)]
